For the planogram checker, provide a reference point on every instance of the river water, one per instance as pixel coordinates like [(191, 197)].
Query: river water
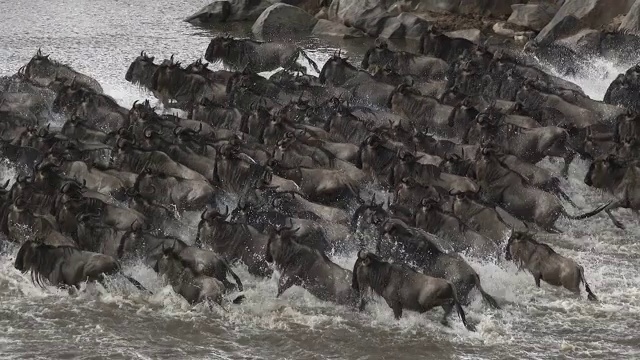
[(101, 38)]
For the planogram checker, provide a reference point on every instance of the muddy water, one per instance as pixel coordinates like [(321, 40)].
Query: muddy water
[(100, 38)]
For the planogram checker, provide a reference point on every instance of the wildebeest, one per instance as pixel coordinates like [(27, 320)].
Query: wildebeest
[(400, 242), (141, 71), (241, 54), (502, 186), (309, 268), (404, 288), (621, 177), (193, 287), (100, 111), (233, 241), (171, 82), (546, 264), (65, 265), (43, 71), (449, 49), (405, 63)]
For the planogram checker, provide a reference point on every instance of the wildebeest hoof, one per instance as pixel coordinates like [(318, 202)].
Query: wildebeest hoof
[(470, 327)]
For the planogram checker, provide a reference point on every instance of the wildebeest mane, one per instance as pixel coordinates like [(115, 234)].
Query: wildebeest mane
[(528, 237), (41, 259)]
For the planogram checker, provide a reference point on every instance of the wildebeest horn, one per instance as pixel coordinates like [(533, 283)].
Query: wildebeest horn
[(226, 211)]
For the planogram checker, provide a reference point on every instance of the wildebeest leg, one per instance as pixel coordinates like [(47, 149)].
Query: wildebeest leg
[(284, 283), (568, 158), (397, 310), (447, 311), (615, 221), (363, 303), (536, 278)]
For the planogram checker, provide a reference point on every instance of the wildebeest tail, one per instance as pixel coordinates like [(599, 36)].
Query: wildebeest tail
[(313, 63), (235, 277), (488, 298), (587, 214), (459, 309), (591, 296), (136, 283)]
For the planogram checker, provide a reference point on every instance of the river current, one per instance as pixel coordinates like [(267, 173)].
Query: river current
[(101, 38)]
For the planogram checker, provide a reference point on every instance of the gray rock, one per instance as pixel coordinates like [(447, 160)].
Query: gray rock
[(476, 7), (349, 12), (533, 16), (631, 22), (575, 15), (329, 28), (414, 26), (229, 10), (282, 20), (393, 29), (473, 35)]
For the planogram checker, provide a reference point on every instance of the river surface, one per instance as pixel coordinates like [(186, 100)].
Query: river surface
[(101, 38)]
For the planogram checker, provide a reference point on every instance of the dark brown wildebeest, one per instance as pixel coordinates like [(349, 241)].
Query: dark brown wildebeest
[(66, 265), (43, 71), (241, 54), (619, 177), (546, 264), (309, 268), (405, 63), (404, 288)]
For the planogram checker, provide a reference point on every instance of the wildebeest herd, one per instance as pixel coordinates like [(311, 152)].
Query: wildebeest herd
[(409, 160)]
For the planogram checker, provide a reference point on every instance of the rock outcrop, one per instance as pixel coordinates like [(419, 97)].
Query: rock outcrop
[(533, 16), (575, 15), (282, 20), (329, 28)]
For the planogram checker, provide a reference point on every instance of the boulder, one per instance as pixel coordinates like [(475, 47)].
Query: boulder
[(330, 28), (245, 10), (532, 16), (631, 22), (473, 35), (282, 20), (229, 10), (349, 12), (475, 7), (414, 26), (575, 15)]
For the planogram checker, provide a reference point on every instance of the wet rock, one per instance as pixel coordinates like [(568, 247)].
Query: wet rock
[(349, 12), (228, 10), (473, 35), (329, 28), (414, 26), (575, 15), (532, 16), (631, 22), (393, 29), (282, 20), (475, 7)]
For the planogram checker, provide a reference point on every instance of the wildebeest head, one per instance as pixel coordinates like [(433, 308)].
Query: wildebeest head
[(515, 240), (39, 66), (604, 171), (337, 70), (369, 212), (218, 48), (365, 262), (141, 70), (68, 97), (280, 237), (379, 55)]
